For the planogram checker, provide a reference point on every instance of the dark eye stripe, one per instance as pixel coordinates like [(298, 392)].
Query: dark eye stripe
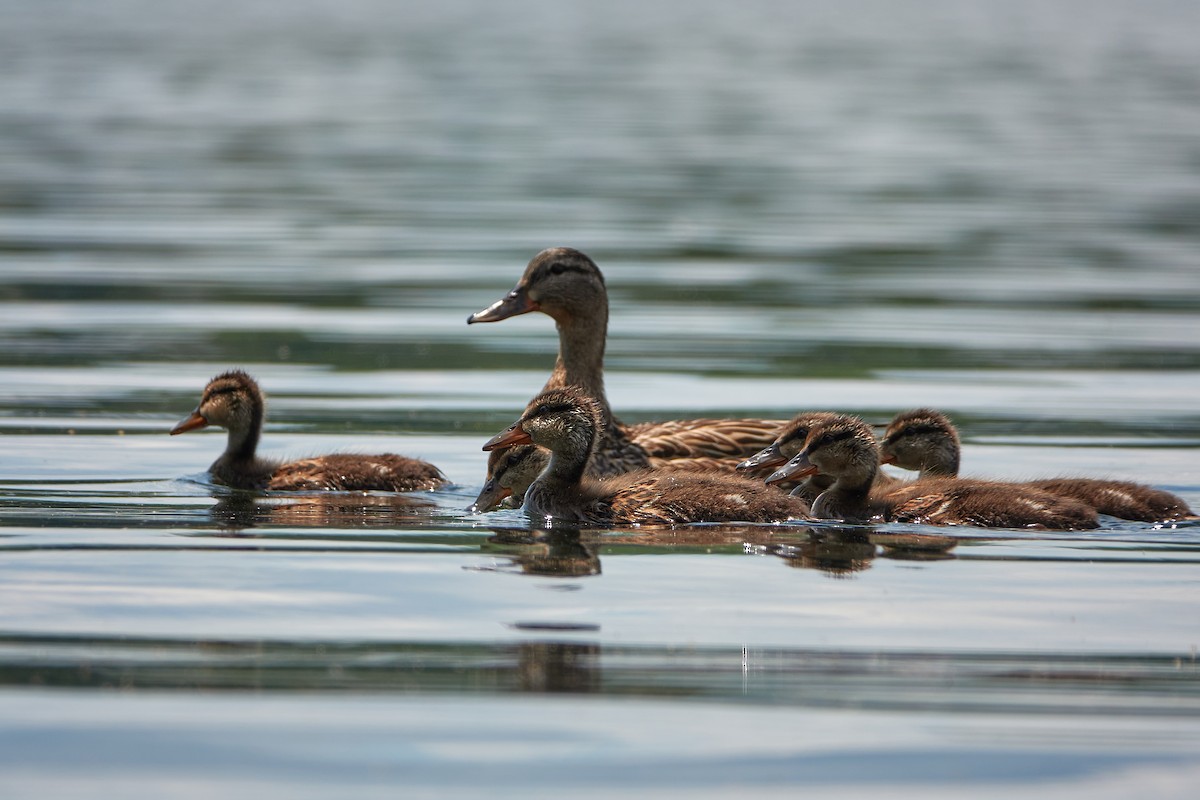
[(833, 438), (546, 409), (913, 430), (558, 268)]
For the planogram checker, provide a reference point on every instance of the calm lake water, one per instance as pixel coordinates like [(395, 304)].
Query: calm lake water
[(990, 208)]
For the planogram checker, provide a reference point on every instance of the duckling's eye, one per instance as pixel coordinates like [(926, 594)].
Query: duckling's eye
[(557, 269)]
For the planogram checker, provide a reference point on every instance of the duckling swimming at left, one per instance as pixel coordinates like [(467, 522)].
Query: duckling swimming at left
[(233, 401)]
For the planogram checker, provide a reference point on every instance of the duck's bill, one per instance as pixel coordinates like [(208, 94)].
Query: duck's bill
[(798, 467), (191, 423), (512, 304), (508, 438), (767, 457), (490, 498)]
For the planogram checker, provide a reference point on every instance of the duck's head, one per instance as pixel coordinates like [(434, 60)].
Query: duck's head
[(232, 400), (789, 442), (560, 282), (510, 471), (924, 440), (842, 447), (560, 420)]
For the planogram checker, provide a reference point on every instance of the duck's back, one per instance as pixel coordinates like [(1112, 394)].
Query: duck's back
[(671, 497), (344, 472), (704, 438), (1124, 499), (951, 501)]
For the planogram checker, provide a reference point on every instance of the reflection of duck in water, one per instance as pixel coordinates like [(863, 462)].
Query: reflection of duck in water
[(838, 553), (567, 286), (549, 552), (326, 510), (233, 401), (845, 449), (926, 440), (567, 423)]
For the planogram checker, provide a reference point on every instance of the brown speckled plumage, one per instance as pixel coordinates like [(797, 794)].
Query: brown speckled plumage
[(927, 441), (845, 449), (566, 422), (233, 401)]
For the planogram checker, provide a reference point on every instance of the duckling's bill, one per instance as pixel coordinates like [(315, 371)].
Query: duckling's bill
[(798, 467), (507, 438), (490, 498), (191, 423)]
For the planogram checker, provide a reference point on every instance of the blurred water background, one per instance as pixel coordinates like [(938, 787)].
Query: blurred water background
[(990, 208)]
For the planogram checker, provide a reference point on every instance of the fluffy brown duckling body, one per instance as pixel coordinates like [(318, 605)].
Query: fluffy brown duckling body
[(233, 401), (511, 470), (845, 449), (567, 286), (927, 441), (567, 423)]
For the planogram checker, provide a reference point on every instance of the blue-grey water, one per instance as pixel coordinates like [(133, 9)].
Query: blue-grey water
[(990, 208)]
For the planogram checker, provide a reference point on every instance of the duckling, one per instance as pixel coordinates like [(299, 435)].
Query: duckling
[(926, 440), (567, 286), (567, 422), (233, 401), (788, 443), (510, 471), (845, 449)]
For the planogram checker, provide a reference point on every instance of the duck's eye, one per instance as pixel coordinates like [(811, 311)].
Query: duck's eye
[(557, 269)]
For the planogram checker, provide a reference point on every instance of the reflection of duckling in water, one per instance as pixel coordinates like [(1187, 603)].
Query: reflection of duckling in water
[(837, 553), (233, 401), (567, 422), (326, 510), (845, 449), (926, 440), (550, 552), (567, 286)]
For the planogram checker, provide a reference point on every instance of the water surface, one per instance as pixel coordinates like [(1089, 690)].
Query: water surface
[(987, 209)]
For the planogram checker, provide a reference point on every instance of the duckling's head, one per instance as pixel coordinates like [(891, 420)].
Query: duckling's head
[(842, 447), (560, 282), (561, 420), (232, 400), (790, 440), (510, 470), (923, 440)]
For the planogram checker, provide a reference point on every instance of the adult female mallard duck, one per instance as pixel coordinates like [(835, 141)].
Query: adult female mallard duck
[(568, 287), (233, 401), (845, 449), (927, 441), (567, 422)]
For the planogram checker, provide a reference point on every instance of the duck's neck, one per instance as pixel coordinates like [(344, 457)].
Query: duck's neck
[(552, 493), (241, 445), (940, 463), (580, 359), (846, 498)]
